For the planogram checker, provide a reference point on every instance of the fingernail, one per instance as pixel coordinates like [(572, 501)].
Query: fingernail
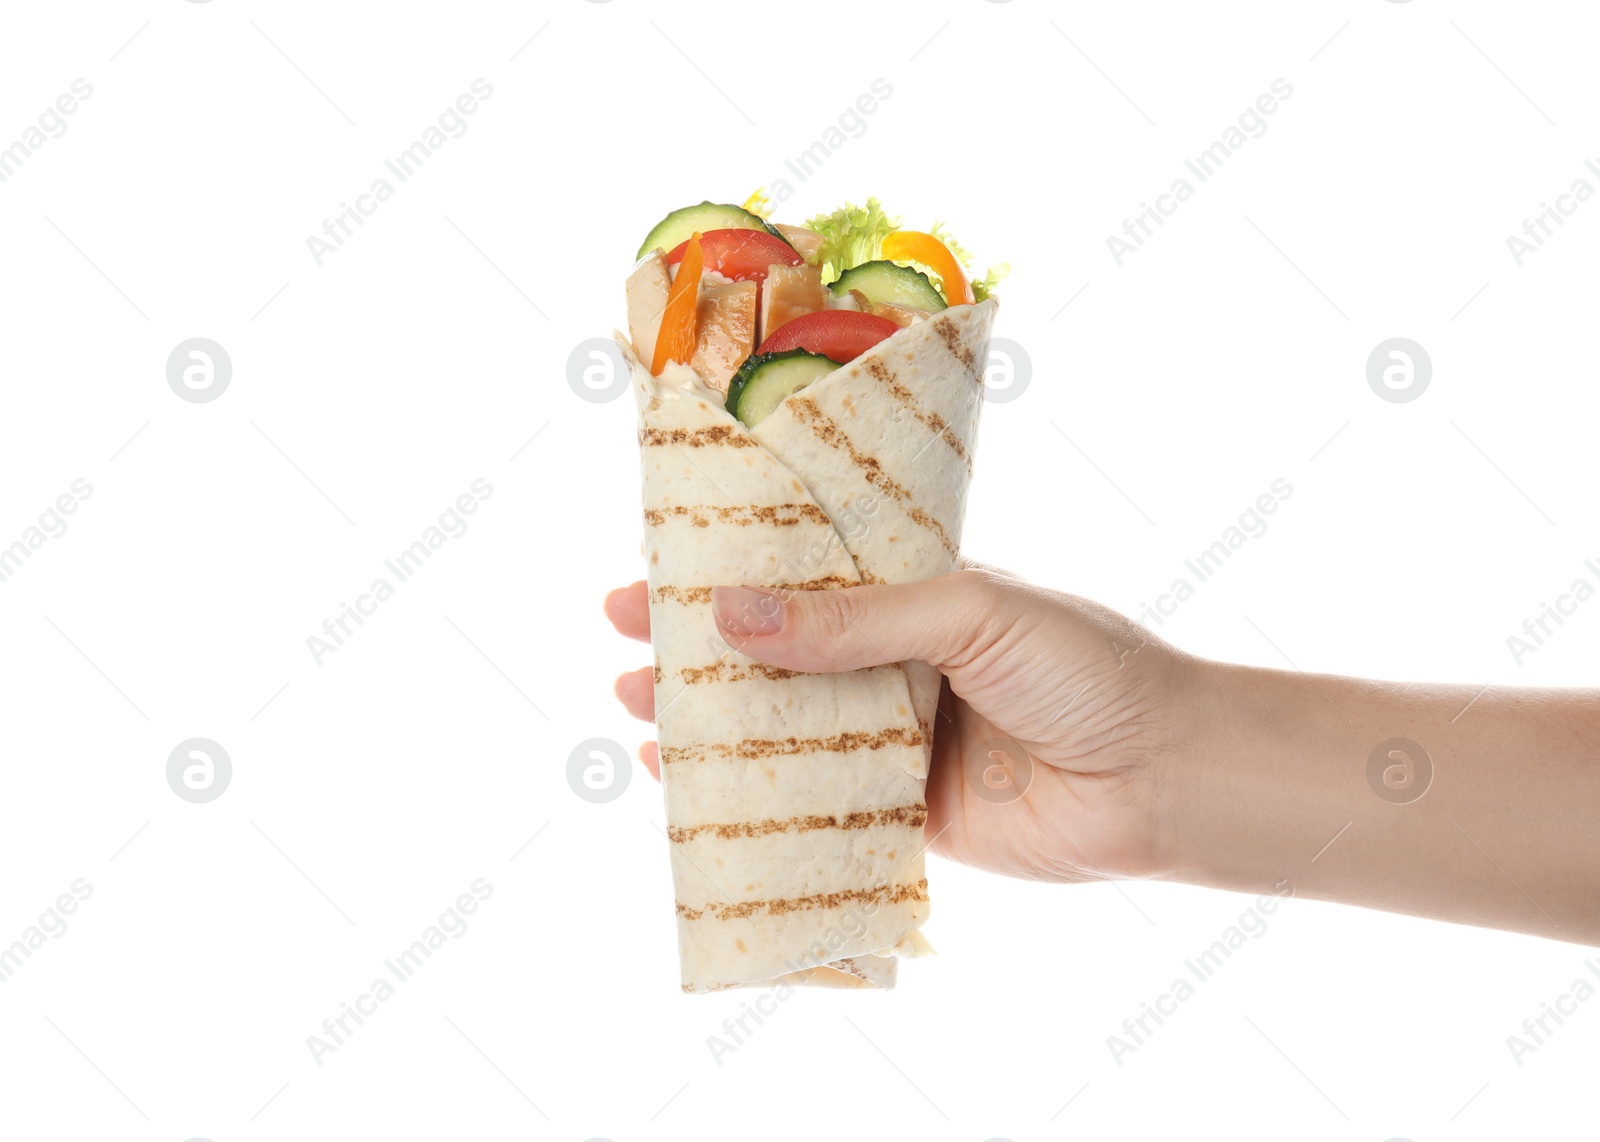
[(746, 611)]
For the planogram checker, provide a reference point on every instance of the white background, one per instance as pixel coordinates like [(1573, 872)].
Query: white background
[(370, 391)]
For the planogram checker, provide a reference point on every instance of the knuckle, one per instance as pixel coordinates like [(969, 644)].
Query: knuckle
[(983, 605), (986, 589), (833, 613)]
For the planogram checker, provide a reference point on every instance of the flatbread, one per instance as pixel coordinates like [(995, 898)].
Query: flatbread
[(795, 802), (885, 446)]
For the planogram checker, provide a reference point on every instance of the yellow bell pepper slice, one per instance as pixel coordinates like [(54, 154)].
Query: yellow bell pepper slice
[(915, 246)]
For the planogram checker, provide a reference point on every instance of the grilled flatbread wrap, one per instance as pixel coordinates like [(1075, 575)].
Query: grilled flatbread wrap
[(795, 802)]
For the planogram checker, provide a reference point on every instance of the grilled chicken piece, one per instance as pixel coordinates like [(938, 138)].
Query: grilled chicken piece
[(725, 319), (790, 292), (647, 297), (901, 315), (806, 243)]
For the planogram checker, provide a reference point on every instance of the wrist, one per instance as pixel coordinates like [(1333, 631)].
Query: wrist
[(1232, 801), (1182, 770)]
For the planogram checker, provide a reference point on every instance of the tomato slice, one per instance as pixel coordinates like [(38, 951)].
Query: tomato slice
[(742, 255), (840, 334)]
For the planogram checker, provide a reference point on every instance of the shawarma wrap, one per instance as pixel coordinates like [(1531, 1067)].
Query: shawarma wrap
[(795, 802)]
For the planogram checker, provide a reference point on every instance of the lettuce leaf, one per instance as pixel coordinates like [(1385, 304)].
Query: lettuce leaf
[(956, 248), (851, 235), (984, 287), (854, 234)]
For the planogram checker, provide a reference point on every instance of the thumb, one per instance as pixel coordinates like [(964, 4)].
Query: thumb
[(934, 620)]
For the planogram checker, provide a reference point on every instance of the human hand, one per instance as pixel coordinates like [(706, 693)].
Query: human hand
[(1098, 704)]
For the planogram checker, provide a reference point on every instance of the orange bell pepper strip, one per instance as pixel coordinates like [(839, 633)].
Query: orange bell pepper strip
[(915, 246), (676, 339)]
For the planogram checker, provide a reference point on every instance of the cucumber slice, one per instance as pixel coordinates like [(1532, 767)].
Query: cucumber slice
[(681, 224), (766, 379), (885, 283)]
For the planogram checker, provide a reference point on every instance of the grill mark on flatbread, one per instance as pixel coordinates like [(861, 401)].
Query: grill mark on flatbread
[(951, 336), (734, 672), (778, 515), (749, 671), (669, 594), (751, 748), (689, 595), (883, 894), (695, 437), (914, 816), (832, 435), (934, 422)]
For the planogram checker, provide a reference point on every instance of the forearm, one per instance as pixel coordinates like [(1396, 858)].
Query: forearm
[(1281, 786)]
